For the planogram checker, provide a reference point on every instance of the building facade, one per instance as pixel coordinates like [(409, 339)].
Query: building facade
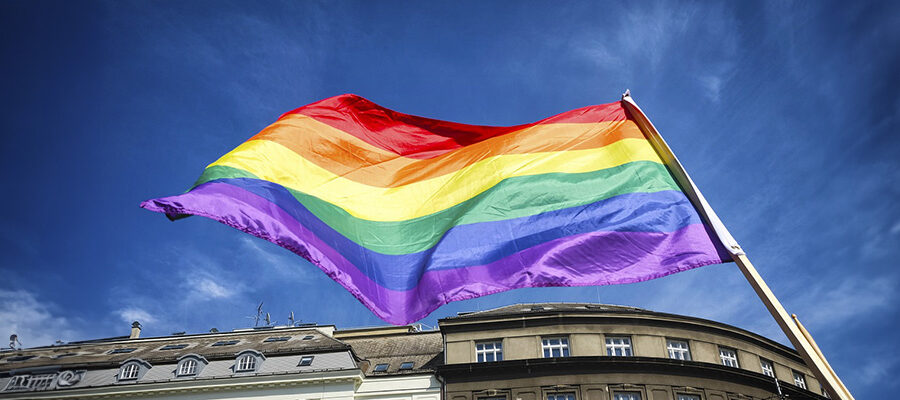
[(600, 352), (552, 351), (297, 363)]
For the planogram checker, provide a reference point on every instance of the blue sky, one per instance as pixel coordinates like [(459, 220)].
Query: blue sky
[(784, 113)]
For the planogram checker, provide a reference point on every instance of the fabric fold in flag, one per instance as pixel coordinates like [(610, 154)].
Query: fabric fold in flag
[(410, 213)]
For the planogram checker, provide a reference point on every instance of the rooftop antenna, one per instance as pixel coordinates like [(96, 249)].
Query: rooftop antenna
[(291, 318), (268, 320), (258, 315), (14, 341)]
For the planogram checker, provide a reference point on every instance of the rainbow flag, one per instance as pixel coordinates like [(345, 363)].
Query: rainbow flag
[(410, 213)]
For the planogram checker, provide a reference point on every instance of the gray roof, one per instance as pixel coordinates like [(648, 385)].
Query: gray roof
[(423, 349), (96, 354)]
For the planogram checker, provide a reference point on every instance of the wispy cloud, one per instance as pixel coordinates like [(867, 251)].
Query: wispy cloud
[(35, 322), (206, 287), (828, 306), (128, 315)]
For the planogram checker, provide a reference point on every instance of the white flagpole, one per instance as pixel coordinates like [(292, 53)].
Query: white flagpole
[(803, 346)]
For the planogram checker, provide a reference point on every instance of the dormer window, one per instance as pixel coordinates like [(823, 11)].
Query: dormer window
[(129, 371), (190, 365), (132, 369), (248, 361)]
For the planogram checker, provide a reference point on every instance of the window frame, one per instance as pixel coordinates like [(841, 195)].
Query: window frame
[(737, 363), (187, 368), (640, 393), (671, 350), (387, 366), (625, 346), (556, 393), (306, 361), (170, 347), (762, 366), (799, 379), (547, 348), (242, 367), (129, 371), (245, 363), (496, 351), (199, 363)]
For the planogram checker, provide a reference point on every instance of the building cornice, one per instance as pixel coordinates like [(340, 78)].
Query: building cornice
[(212, 384), (530, 368)]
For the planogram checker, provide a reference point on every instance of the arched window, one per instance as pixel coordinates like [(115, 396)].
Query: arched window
[(247, 362), (190, 365), (132, 369), (187, 368), (129, 371)]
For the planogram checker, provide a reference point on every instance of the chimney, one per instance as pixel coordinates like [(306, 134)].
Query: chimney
[(135, 330)]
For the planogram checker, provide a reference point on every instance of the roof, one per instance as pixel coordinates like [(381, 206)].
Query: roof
[(517, 309), (112, 352), (423, 349)]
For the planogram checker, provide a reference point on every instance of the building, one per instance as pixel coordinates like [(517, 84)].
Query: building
[(551, 351), (305, 362), (600, 352)]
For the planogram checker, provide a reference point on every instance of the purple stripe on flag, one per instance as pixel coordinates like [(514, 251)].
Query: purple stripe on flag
[(595, 258)]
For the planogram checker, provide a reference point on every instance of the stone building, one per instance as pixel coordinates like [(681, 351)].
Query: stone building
[(305, 362), (551, 351), (601, 352)]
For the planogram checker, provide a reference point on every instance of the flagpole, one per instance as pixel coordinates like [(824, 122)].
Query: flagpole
[(815, 347), (793, 333)]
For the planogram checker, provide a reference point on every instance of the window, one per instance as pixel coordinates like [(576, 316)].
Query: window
[(188, 368), (246, 363), (120, 351), (277, 339), (799, 380), (19, 358), (561, 396), (173, 347), (627, 396), (728, 356), (489, 351), (308, 337), (129, 371), (381, 367), (688, 397), (225, 343), (305, 361), (767, 368), (678, 350), (406, 365), (555, 347), (618, 346)]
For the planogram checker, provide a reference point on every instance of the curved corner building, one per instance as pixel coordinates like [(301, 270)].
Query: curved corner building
[(570, 351)]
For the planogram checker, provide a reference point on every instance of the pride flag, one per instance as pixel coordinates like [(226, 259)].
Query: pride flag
[(410, 213)]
